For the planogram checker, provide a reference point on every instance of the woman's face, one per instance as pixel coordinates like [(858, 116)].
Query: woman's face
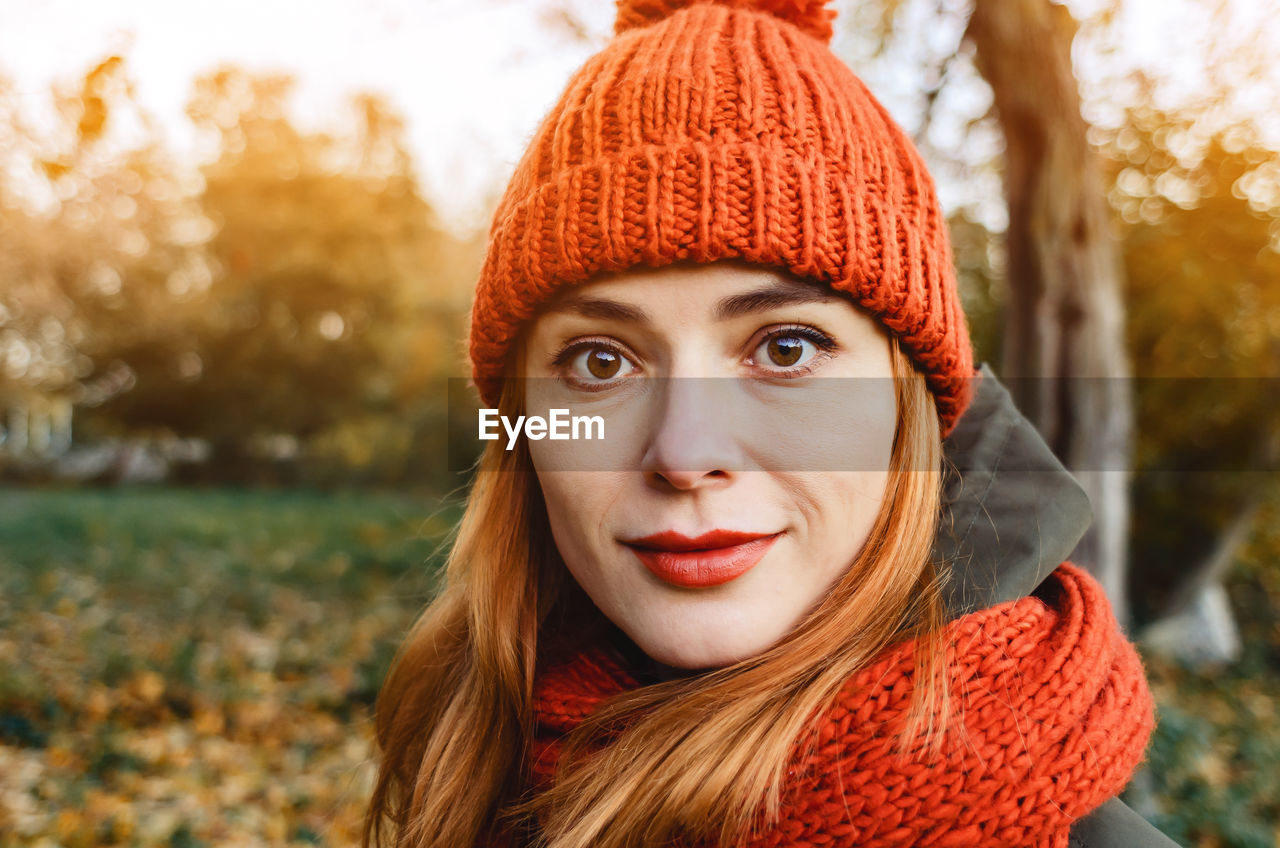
[(697, 372)]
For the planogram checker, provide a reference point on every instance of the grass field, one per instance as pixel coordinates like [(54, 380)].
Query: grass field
[(196, 668)]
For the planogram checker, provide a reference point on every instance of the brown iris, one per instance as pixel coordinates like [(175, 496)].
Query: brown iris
[(603, 363), (785, 350)]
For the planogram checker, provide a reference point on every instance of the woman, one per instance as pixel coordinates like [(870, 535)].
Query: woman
[(746, 615)]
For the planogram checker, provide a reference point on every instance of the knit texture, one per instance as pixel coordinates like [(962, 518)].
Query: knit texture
[(715, 130), (1053, 717)]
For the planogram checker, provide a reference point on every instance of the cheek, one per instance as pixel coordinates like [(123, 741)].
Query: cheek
[(850, 496), (858, 433), (841, 507), (862, 491), (828, 425), (578, 506), (557, 492)]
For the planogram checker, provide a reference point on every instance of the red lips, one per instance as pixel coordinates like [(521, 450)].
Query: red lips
[(710, 559)]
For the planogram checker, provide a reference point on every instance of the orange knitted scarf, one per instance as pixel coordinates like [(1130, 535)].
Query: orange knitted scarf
[(1052, 713)]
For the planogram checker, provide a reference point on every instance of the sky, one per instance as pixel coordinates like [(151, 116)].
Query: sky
[(471, 77)]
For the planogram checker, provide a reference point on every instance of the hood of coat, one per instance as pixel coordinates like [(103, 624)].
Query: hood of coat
[(1011, 512)]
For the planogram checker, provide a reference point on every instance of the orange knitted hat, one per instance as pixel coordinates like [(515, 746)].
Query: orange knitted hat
[(714, 130)]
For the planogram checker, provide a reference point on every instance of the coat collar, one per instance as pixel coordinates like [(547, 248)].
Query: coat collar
[(1011, 512)]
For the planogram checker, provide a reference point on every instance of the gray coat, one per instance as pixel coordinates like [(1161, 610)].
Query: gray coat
[(1011, 514)]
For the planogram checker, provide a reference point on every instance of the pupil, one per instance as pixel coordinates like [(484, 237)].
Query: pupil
[(602, 364), (785, 350)]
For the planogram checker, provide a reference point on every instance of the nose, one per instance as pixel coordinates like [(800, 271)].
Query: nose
[(693, 443)]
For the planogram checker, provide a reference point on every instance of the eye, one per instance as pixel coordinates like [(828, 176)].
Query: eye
[(786, 350), (793, 349), (592, 362)]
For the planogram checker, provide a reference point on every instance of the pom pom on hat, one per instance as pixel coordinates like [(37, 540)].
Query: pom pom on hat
[(810, 16)]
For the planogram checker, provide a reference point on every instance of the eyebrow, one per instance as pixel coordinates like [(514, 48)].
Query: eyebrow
[(734, 306)]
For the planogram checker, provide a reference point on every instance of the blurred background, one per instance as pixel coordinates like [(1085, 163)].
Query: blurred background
[(237, 247)]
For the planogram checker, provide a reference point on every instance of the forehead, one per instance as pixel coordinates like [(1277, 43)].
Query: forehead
[(731, 289)]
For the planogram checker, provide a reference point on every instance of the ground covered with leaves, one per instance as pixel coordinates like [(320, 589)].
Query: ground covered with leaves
[(1215, 756), (197, 668), (192, 668)]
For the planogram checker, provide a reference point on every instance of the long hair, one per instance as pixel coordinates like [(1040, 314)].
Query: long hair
[(703, 757)]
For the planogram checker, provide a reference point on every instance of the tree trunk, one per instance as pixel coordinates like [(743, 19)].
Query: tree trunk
[(1064, 354)]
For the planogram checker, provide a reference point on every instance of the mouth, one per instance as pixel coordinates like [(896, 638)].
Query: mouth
[(696, 562)]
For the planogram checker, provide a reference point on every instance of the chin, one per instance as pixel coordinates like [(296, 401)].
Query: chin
[(700, 650)]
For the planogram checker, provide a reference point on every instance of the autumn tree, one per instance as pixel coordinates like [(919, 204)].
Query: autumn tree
[(1118, 238), (1202, 254), (98, 222), (317, 240)]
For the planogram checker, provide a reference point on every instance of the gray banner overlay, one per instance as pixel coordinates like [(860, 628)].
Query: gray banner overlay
[(843, 424)]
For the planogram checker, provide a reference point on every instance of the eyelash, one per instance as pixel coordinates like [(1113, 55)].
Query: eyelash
[(566, 353), (824, 343)]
